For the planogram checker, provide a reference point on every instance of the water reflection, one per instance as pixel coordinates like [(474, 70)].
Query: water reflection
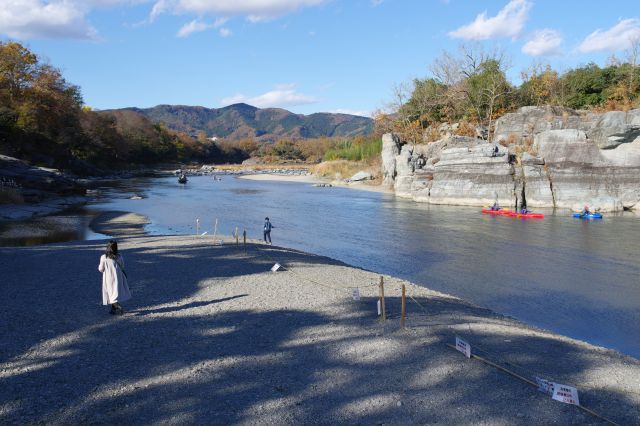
[(70, 225)]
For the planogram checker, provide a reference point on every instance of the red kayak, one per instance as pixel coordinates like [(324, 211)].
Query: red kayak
[(497, 212), (527, 215)]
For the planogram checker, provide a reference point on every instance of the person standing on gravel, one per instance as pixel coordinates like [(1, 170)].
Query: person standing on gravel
[(114, 279), (267, 230)]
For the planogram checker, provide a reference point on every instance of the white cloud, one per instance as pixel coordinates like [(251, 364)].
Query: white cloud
[(197, 26), (26, 19), (376, 3), (192, 27), (42, 19), (507, 23), (351, 112), (615, 38), (220, 22), (544, 42), (253, 10), (159, 8), (283, 95)]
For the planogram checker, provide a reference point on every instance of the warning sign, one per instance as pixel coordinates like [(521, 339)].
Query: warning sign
[(355, 293), (545, 386), (566, 394), (463, 347)]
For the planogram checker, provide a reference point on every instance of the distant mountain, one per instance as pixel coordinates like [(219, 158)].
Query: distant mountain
[(241, 120)]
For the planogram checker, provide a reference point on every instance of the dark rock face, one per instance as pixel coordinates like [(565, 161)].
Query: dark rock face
[(547, 157), (37, 183)]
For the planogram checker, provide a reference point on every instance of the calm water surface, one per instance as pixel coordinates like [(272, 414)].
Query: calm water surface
[(578, 278)]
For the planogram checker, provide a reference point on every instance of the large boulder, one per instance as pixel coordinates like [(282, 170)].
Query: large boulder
[(615, 128), (472, 176), (566, 146), (404, 171), (361, 175), (391, 145), (623, 155), (530, 120), (578, 171)]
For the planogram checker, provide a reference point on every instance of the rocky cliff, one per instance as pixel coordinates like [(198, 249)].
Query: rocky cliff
[(542, 156)]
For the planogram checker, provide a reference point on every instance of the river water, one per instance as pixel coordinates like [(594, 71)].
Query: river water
[(575, 277)]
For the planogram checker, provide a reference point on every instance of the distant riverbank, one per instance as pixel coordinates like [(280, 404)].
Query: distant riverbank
[(212, 325), (316, 180)]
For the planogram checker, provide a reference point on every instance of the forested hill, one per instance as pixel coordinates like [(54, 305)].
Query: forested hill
[(240, 121)]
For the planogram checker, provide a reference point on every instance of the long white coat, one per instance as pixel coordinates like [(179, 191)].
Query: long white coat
[(114, 283)]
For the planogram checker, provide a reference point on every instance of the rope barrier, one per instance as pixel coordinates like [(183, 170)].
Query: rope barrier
[(534, 384)]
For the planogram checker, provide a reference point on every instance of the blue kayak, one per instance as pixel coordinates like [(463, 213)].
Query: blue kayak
[(588, 216)]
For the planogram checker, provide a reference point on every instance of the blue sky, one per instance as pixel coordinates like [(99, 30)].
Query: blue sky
[(303, 55)]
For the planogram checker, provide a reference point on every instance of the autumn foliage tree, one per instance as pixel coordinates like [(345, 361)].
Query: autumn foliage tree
[(43, 119), (472, 87)]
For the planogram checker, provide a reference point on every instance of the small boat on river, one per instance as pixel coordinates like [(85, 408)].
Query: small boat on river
[(529, 215), (182, 179), (497, 212), (587, 216)]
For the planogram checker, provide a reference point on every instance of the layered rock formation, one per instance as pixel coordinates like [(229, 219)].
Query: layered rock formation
[(543, 157)]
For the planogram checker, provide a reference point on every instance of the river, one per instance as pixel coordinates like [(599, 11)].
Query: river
[(575, 277)]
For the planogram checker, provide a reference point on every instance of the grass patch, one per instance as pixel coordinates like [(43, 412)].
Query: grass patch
[(344, 169), (358, 150)]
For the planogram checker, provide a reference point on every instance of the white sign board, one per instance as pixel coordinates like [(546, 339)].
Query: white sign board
[(545, 386), (463, 347), (275, 267), (379, 308), (566, 394), (355, 293)]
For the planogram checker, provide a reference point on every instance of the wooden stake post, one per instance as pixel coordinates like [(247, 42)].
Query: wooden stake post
[(384, 313), (244, 239), (402, 321)]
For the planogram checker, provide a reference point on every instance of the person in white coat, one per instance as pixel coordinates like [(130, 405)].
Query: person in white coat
[(114, 279)]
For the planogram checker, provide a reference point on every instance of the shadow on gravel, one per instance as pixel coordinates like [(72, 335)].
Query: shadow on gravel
[(140, 312), (63, 360)]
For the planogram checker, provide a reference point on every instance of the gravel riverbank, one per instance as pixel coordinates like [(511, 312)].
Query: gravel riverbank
[(212, 336), (119, 224)]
